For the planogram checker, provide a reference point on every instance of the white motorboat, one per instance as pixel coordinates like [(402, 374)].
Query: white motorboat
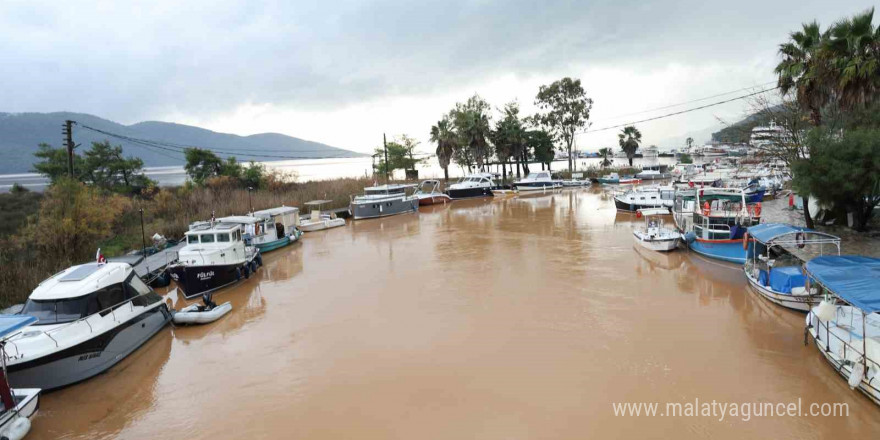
[(653, 172), (537, 181), (215, 256), (202, 314), (90, 317), (473, 185), (654, 236), (319, 221), (846, 325), (19, 405), (774, 269), (644, 197)]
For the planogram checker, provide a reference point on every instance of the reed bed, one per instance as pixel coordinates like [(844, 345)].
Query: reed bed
[(39, 248)]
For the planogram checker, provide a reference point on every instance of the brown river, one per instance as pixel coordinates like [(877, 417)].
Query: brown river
[(520, 318)]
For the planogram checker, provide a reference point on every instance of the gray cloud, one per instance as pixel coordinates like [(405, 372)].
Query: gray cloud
[(133, 61)]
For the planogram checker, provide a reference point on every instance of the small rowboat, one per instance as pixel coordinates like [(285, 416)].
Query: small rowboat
[(204, 314)]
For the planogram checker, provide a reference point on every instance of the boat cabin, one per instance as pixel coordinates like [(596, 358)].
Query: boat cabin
[(282, 219), (539, 176), (87, 289), (716, 213), (220, 243)]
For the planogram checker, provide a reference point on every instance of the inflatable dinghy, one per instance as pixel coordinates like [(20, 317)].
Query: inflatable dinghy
[(202, 314)]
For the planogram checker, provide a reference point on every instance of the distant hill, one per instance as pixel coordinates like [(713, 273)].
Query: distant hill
[(741, 132), (21, 133)]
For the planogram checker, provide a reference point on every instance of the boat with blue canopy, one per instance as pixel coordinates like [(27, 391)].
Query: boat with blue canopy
[(846, 324), (775, 266), (17, 405)]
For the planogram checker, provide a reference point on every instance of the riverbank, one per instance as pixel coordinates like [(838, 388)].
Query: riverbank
[(55, 234)]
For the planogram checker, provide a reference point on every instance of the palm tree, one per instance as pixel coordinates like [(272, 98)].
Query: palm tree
[(446, 144), (803, 70), (852, 47), (629, 139), (605, 152)]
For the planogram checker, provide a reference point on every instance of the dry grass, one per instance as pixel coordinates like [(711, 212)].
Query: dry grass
[(26, 260)]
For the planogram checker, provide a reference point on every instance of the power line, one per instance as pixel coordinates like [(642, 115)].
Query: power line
[(692, 101), (178, 148), (680, 112)]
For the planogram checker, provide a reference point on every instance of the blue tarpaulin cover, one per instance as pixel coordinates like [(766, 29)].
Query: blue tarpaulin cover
[(782, 279), (853, 278), (13, 323), (769, 231)]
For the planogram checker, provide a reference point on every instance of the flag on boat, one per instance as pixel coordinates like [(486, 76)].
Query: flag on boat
[(100, 257)]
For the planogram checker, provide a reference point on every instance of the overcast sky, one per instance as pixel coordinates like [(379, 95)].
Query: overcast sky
[(343, 72)]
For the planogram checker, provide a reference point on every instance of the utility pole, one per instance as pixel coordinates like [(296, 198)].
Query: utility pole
[(143, 235), (385, 147), (68, 133)]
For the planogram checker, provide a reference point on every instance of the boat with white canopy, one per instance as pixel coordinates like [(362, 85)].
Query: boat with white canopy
[(429, 193), (654, 236), (775, 266), (318, 220), (848, 333)]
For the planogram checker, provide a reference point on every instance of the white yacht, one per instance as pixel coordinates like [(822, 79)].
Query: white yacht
[(90, 317), (537, 181), (653, 172), (650, 152), (215, 256), (641, 197), (472, 185)]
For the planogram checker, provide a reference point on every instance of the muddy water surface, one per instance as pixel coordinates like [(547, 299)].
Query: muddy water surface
[(523, 317)]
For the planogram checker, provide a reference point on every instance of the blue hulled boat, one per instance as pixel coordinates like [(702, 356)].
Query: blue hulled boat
[(714, 222)]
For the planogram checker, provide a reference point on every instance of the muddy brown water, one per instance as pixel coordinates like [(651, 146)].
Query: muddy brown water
[(515, 318)]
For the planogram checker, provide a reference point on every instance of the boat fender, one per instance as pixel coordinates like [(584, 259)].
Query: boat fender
[(758, 209), (826, 311), (247, 271), (254, 266), (17, 429), (799, 238), (237, 274), (856, 376), (746, 241), (259, 260), (638, 214)]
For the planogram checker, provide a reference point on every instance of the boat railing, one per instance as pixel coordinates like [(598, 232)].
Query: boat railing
[(850, 352), (57, 331)]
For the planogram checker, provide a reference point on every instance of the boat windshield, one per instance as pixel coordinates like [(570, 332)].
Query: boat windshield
[(56, 311)]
